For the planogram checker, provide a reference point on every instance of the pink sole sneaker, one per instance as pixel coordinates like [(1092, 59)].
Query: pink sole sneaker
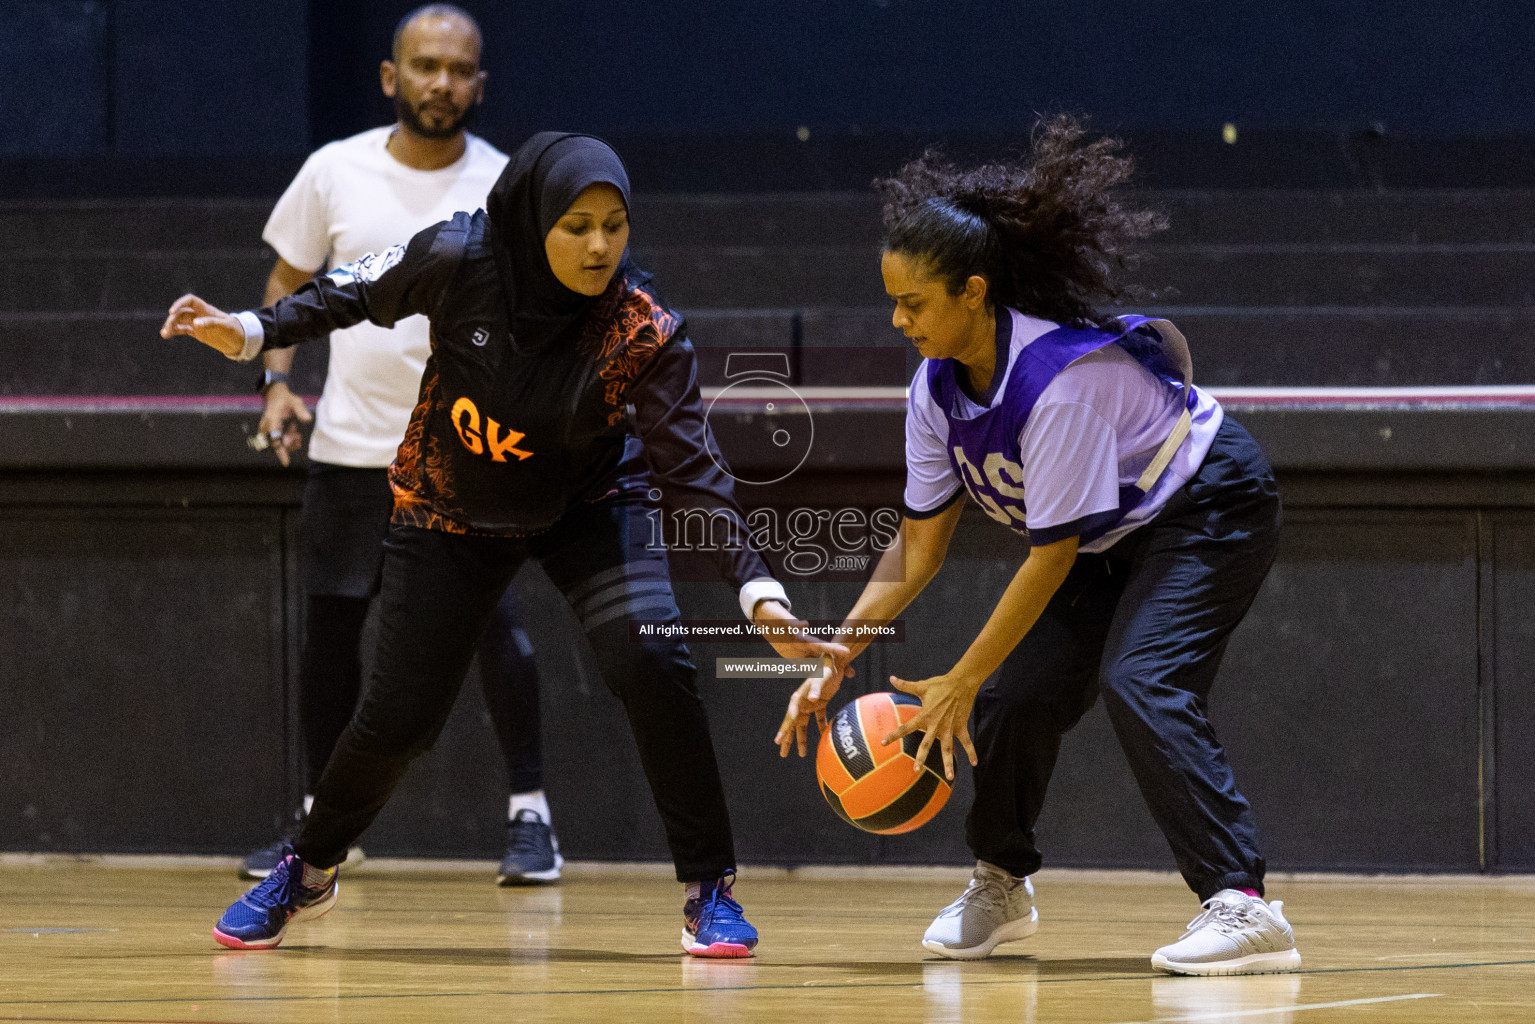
[(233, 943), (715, 950), (307, 914)]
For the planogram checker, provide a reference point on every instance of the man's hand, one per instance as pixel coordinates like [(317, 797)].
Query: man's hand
[(207, 323), (280, 419)]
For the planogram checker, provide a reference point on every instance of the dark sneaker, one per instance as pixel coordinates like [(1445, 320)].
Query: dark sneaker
[(291, 892), (260, 864), (532, 852), (714, 925)]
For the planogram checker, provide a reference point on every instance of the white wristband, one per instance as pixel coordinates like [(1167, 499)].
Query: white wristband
[(757, 591), (254, 336)]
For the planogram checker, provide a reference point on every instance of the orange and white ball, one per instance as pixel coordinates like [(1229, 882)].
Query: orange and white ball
[(874, 787)]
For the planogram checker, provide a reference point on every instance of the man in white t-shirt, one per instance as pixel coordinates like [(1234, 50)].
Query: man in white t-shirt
[(352, 197)]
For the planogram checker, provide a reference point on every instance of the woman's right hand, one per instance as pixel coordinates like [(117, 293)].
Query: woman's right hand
[(207, 323), (809, 699)]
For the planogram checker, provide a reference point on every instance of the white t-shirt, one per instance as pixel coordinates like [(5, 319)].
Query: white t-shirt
[(349, 199), (1095, 428)]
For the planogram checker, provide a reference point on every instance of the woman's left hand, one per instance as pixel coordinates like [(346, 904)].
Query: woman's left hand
[(809, 700), (946, 703), (788, 639)]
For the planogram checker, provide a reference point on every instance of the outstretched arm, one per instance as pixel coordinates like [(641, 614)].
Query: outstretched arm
[(382, 287), (947, 699), (669, 420), (906, 567)]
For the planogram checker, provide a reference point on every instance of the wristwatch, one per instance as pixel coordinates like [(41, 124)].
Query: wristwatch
[(270, 377)]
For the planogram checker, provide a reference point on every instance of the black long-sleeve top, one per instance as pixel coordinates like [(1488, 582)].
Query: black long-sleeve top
[(504, 440)]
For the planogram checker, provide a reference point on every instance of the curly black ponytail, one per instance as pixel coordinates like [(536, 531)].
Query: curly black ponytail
[(1049, 236)]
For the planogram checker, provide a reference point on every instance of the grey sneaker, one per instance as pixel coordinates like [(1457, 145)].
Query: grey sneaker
[(996, 908), (1236, 934)]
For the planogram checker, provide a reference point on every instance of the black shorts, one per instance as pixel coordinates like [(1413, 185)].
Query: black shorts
[(342, 529)]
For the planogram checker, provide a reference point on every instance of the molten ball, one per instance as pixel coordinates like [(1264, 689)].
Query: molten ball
[(874, 787)]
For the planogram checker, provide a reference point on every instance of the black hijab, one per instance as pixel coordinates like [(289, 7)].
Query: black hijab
[(542, 179)]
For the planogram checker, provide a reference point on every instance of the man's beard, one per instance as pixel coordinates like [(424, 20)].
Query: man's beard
[(411, 119)]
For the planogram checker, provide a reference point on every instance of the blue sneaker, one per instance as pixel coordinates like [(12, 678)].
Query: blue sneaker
[(714, 925), (258, 919)]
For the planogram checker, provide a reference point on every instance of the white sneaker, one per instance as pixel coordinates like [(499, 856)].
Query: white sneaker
[(996, 908), (1236, 934)]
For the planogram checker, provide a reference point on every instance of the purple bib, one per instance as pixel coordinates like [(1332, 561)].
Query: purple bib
[(984, 451)]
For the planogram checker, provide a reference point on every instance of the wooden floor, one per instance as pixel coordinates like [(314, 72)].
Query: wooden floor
[(84, 942)]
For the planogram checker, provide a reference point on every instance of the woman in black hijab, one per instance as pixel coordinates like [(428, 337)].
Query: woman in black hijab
[(520, 446)]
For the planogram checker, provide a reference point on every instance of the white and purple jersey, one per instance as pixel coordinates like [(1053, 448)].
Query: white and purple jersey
[(1057, 444)]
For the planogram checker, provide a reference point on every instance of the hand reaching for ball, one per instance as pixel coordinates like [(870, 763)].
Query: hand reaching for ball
[(810, 698)]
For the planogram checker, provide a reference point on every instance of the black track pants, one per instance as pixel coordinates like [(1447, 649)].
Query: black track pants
[(1146, 624), (344, 522), (438, 593)]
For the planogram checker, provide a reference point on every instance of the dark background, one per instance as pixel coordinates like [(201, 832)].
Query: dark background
[(173, 96)]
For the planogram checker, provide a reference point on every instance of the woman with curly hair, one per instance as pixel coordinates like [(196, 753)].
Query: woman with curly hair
[(1152, 520)]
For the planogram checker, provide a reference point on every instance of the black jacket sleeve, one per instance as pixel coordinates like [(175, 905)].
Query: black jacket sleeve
[(381, 287), (669, 420)]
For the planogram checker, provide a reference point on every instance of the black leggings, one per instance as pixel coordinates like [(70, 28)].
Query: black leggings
[(439, 591), (345, 520), (330, 680)]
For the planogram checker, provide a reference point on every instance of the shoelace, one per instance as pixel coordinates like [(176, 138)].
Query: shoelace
[(1227, 917), (527, 836), (276, 889), (720, 906), (986, 893)]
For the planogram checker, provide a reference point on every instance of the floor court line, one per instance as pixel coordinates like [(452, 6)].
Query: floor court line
[(684, 990), (59, 931), (1270, 1010), (119, 1020)]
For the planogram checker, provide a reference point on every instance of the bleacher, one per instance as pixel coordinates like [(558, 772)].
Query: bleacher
[(1410, 530), (1411, 288)]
